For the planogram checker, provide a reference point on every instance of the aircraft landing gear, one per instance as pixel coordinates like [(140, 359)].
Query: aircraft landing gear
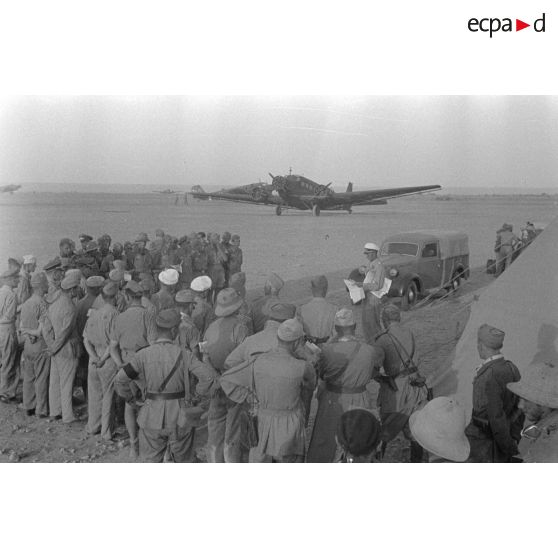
[(315, 211), (278, 210)]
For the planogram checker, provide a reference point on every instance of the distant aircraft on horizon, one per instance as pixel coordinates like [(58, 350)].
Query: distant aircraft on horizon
[(297, 192), (9, 189), (167, 191)]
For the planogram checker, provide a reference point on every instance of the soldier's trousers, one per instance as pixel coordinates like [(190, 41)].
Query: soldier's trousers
[(36, 374), (9, 369), (224, 429), (100, 409), (503, 259), (62, 373), (154, 443), (371, 318)]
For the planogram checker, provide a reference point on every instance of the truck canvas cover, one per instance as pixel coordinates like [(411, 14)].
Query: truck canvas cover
[(522, 302)]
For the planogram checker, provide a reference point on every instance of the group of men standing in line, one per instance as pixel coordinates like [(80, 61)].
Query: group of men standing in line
[(252, 370), (508, 246)]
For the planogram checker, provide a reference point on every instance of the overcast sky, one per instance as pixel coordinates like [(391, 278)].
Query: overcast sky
[(375, 142)]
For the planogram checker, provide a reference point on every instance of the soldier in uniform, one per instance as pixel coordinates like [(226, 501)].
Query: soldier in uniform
[(504, 248), (166, 421), (142, 262), (54, 274), (200, 262), (372, 305), (36, 362), (188, 334), (235, 255), (317, 315), (102, 370), (63, 350), (216, 261), (401, 392), (238, 283), (84, 240), (9, 367), (67, 256), (260, 307), (347, 366), (282, 384), (538, 393), (24, 289), (226, 247), (133, 330), (203, 313), (496, 421), (225, 417), (168, 279)]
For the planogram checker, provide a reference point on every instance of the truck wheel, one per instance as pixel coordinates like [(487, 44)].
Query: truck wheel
[(278, 210), (315, 211), (410, 296)]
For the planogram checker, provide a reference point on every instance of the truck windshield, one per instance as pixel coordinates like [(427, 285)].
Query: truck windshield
[(404, 248)]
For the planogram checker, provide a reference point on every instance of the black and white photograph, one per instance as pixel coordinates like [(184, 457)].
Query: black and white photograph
[(303, 234)]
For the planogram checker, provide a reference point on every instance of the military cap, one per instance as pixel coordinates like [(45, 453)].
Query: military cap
[(391, 312), (439, 427), (91, 247), (228, 302), (226, 235), (538, 384), (53, 264), (169, 277), (9, 273), (235, 238), (281, 311), (159, 232), (490, 336), (319, 282), (371, 246), (274, 281), (168, 318), (133, 287), (116, 275), (74, 273), (290, 330), (344, 318), (201, 284), (117, 247), (110, 289), (29, 260), (237, 281), (69, 282), (85, 237), (142, 237), (64, 241), (37, 279), (95, 281), (185, 296), (105, 237), (358, 432)]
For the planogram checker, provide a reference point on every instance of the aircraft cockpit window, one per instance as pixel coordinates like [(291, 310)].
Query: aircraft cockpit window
[(430, 250), (402, 248)]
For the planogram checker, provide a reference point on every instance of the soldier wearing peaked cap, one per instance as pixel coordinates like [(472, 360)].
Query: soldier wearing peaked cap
[(374, 280), (538, 393), (101, 367), (260, 307), (496, 420), (164, 298), (347, 367), (317, 315), (36, 362), (9, 373), (203, 313), (167, 420), (282, 384)]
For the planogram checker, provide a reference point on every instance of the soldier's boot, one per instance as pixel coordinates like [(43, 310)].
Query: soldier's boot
[(416, 452)]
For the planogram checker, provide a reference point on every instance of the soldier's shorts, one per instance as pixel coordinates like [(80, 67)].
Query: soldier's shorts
[(154, 443)]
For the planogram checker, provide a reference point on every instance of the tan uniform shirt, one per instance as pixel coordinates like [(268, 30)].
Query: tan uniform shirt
[(317, 317)]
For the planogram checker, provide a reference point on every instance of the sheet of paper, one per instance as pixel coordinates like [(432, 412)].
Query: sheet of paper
[(355, 292), (384, 290)]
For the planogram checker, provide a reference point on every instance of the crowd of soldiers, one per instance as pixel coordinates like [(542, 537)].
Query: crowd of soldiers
[(508, 246), (160, 336)]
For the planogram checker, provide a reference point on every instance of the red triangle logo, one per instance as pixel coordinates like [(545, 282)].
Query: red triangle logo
[(519, 25)]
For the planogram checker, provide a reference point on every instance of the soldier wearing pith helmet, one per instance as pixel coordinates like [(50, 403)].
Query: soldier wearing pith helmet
[(538, 393), (496, 420)]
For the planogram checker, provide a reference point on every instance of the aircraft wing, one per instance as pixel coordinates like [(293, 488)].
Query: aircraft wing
[(255, 198), (371, 197)]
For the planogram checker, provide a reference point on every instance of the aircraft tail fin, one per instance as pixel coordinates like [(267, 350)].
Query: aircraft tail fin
[(350, 187)]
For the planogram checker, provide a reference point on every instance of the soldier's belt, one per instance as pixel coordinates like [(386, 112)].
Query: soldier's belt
[(340, 389), (481, 423), (165, 396)]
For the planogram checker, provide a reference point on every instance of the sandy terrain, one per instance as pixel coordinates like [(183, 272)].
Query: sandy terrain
[(295, 245)]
